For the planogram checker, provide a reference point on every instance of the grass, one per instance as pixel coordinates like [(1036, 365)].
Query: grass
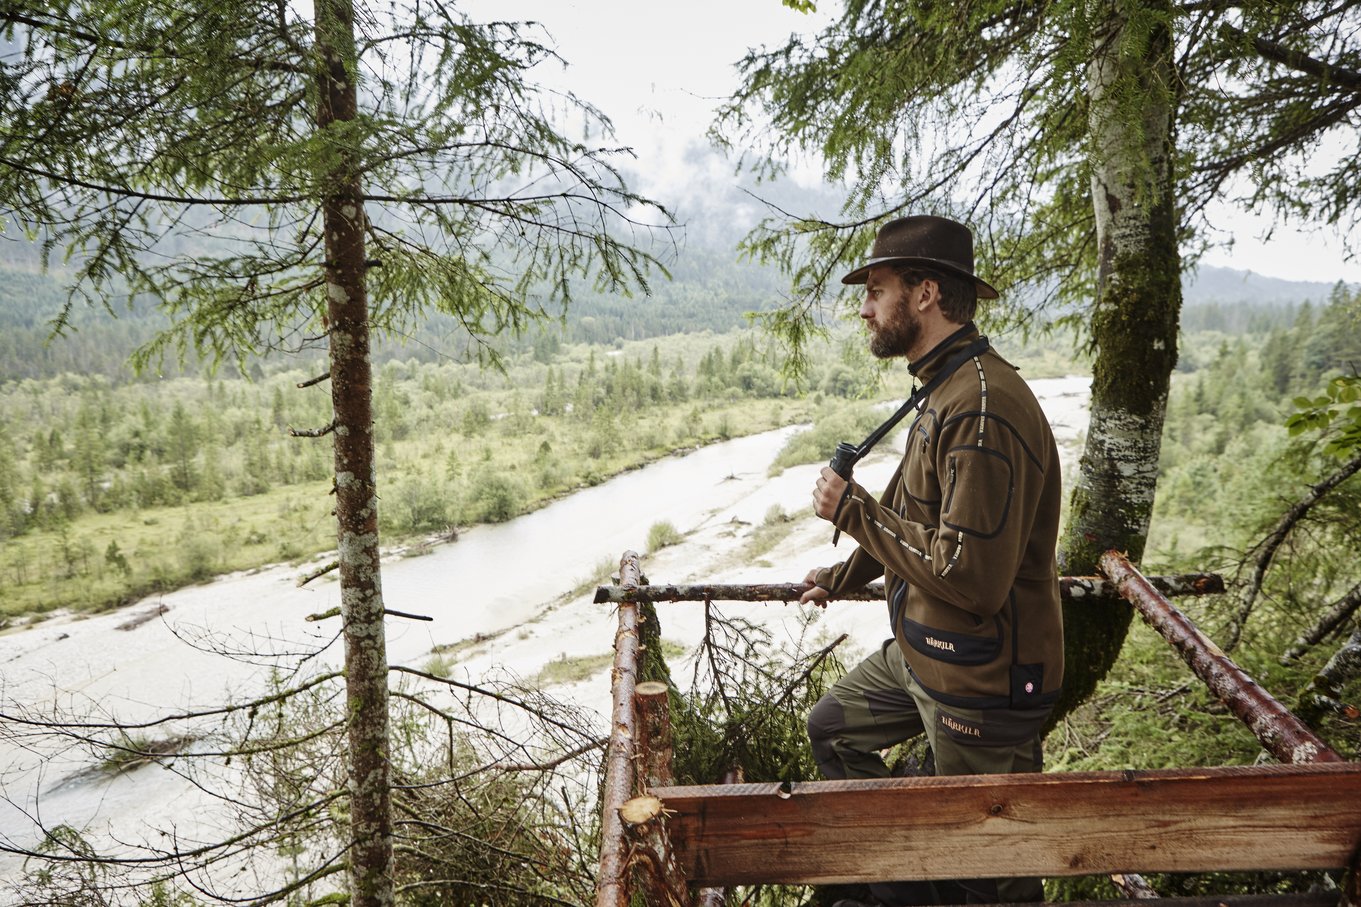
[(571, 669), (170, 547), (602, 574), (833, 423), (163, 549), (576, 668), (773, 529), (663, 535)]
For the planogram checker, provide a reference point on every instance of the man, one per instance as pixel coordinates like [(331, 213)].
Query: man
[(965, 537)]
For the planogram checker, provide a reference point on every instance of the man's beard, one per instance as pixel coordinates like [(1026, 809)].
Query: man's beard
[(896, 337)]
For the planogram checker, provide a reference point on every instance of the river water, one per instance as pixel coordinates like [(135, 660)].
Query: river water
[(513, 575)]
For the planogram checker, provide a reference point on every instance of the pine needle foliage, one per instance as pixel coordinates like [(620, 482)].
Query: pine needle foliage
[(170, 153), (748, 703), (983, 111)]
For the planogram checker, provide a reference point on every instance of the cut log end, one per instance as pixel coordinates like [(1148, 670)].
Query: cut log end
[(650, 688), (640, 810)]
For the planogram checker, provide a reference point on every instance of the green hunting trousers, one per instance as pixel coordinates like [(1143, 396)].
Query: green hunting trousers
[(878, 704)]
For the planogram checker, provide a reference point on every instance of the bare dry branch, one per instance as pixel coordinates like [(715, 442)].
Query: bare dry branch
[(315, 574), (1267, 548)]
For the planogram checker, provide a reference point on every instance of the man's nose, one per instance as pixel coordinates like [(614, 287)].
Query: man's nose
[(866, 310)]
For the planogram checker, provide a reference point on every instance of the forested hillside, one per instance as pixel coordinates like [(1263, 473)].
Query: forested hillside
[(1238, 458), (1237, 384), (710, 291), (396, 274), (110, 489)]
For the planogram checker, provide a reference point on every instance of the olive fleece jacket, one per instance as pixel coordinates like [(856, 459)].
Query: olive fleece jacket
[(965, 536)]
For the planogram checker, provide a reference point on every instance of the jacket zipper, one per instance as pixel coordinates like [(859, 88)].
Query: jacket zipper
[(951, 496)]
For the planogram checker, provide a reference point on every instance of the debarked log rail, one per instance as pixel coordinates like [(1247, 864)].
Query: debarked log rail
[(1065, 824), (1280, 732), (1071, 588), (612, 884)]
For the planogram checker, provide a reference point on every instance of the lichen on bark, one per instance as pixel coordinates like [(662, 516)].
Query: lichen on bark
[(1134, 327)]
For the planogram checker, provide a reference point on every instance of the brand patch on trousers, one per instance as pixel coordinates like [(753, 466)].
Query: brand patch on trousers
[(959, 728)]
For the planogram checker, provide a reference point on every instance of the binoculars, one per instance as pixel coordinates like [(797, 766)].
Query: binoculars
[(843, 461)]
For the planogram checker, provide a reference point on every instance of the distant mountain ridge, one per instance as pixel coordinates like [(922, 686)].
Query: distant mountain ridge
[(1228, 285), (710, 290)]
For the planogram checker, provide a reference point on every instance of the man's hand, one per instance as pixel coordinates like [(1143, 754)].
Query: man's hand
[(816, 595), (827, 493)]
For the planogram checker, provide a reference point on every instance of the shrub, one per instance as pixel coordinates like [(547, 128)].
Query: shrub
[(662, 535), (497, 497), (417, 504), (832, 425)]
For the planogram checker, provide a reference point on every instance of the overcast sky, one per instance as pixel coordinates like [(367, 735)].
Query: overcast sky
[(659, 69)]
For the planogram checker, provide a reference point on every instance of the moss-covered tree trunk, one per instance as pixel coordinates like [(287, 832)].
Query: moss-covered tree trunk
[(1131, 90), (366, 668)]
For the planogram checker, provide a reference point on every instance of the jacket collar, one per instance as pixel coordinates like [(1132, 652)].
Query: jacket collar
[(926, 366)]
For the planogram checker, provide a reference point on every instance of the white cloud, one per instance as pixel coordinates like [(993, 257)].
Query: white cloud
[(660, 70)]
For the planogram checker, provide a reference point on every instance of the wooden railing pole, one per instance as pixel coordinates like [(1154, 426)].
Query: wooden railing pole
[(655, 751), (645, 826), (612, 886), (1282, 734), (1071, 588)]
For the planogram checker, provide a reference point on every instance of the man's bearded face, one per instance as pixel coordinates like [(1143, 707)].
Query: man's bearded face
[(895, 328)]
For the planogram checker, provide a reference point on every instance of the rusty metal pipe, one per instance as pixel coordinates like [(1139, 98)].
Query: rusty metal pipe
[(1282, 734)]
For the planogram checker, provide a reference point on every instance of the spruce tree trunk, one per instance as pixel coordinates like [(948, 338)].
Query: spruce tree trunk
[(366, 668), (1131, 89)]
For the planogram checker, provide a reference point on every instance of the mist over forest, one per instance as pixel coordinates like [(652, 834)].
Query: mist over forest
[(711, 286)]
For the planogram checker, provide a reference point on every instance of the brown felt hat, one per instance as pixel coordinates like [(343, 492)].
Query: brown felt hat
[(932, 242)]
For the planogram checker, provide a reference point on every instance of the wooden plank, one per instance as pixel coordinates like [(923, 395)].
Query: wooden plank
[(1181, 820), (1309, 899)]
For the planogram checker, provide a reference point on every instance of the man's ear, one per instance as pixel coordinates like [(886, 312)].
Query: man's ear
[(930, 294)]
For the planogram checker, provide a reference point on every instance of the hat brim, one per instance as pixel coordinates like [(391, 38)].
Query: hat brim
[(860, 274)]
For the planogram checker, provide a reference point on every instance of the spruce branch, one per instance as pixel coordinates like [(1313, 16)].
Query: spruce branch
[(1266, 549), (1327, 73), (1336, 615), (314, 432)]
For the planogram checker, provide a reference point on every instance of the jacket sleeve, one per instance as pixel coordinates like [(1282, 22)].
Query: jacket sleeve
[(971, 558), (852, 573)]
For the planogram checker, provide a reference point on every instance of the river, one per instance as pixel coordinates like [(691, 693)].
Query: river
[(516, 575)]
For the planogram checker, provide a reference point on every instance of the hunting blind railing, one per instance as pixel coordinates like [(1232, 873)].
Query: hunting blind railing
[(686, 845)]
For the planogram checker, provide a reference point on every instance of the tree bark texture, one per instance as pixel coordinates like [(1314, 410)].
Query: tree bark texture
[(1071, 588), (1340, 611), (1323, 693), (361, 596), (651, 699), (652, 853), (1283, 734), (1131, 96), (612, 888), (1133, 886)]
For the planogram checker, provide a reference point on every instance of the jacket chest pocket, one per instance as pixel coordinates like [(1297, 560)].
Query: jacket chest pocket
[(953, 647), (920, 483)]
